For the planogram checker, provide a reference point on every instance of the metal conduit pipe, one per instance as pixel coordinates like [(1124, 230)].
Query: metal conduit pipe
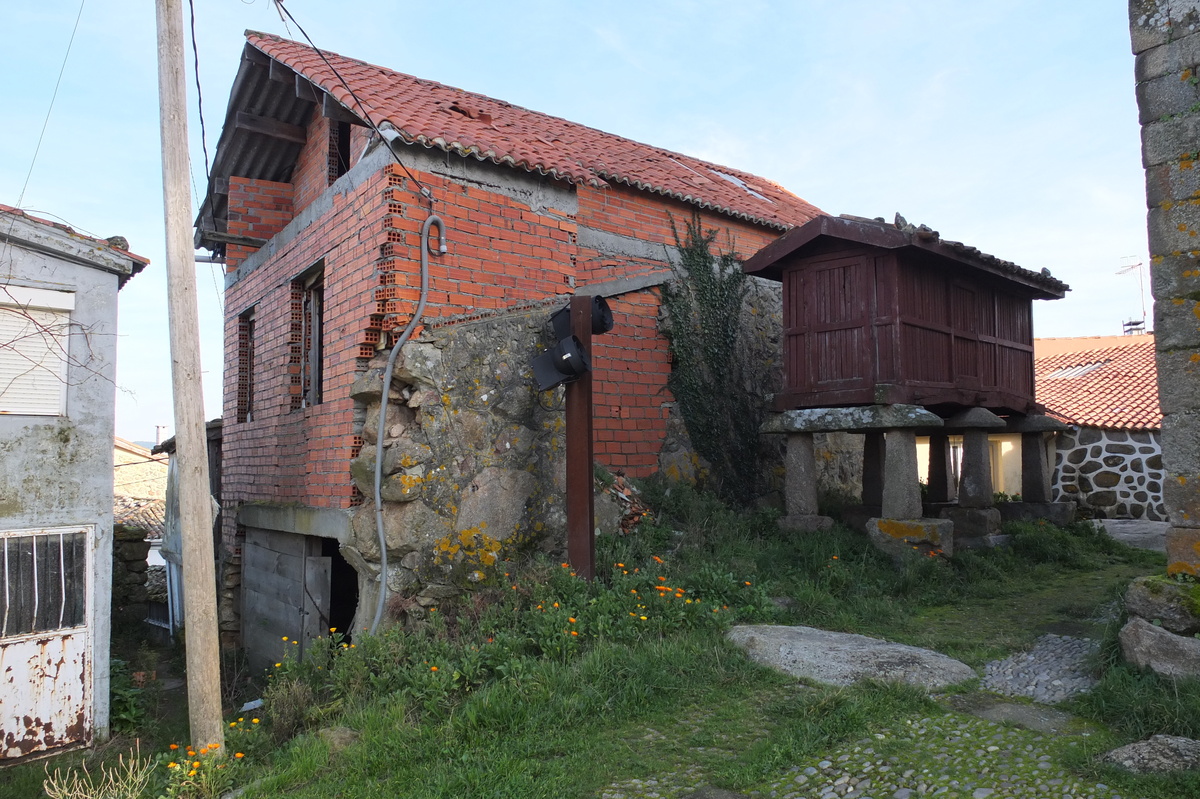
[(430, 221)]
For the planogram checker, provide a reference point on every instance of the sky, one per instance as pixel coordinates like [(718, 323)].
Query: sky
[(1011, 126)]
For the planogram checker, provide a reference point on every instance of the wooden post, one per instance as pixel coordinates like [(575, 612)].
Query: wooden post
[(195, 509), (581, 499)]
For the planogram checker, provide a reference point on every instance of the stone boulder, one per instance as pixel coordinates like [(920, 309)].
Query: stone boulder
[(845, 658), (902, 538), (1159, 650), (1171, 604), (1158, 754)]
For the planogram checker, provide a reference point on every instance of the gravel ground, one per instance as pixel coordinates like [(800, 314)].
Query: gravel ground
[(955, 756)]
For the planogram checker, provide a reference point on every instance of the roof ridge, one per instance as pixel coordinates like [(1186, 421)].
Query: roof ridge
[(567, 153)]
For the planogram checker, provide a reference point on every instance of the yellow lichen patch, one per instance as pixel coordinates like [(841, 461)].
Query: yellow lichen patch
[(471, 546), (1180, 567), (1194, 357), (1157, 259), (908, 531), (1186, 74), (1177, 300), (1186, 161)]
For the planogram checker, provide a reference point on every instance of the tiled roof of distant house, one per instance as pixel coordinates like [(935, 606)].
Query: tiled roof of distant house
[(146, 514), (1109, 387), (456, 121)]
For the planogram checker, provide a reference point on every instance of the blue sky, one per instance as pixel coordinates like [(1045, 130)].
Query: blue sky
[(1011, 126)]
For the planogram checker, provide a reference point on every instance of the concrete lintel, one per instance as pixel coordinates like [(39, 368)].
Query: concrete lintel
[(854, 420), (626, 285), (1036, 423), (299, 519), (975, 419)]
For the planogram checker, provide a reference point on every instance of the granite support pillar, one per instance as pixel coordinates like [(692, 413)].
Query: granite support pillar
[(901, 485), (943, 485)]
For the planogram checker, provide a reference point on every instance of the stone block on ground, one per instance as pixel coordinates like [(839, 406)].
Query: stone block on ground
[(1160, 753), (1173, 605), (903, 537), (1059, 514), (1183, 550), (845, 658), (1159, 650), (972, 523)]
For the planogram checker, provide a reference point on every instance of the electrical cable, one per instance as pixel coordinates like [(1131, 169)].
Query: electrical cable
[(381, 424), (53, 97), (203, 141)]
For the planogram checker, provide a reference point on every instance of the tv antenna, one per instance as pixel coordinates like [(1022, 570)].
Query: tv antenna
[(1132, 264)]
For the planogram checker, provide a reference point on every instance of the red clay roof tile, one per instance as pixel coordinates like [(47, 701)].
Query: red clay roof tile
[(1111, 387), (436, 115)]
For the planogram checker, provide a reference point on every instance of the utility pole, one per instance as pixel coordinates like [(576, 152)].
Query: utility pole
[(195, 509)]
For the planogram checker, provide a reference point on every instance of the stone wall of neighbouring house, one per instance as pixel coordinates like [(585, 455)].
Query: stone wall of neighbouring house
[(1114, 474), (129, 551)]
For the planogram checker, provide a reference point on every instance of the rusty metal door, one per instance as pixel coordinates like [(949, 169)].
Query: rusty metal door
[(45, 640)]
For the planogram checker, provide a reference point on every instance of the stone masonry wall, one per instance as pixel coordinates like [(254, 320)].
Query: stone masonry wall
[(1114, 474), (473, 456), (1166, 40)]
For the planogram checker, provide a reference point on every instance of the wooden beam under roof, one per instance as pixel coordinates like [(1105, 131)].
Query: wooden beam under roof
[(229, 238), (305, 90), (332, 109), (271, 127), (280, 72)]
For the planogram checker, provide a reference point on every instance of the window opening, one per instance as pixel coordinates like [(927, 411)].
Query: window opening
[(311, 337), (35, 326), (245, 380), (339, 150), (45, 579)]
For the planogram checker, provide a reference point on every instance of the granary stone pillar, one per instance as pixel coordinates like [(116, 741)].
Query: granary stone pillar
[(901, 483), (976, 520), (943, 486), (872, 476), (1037, 472), (975, 481), (800, 485), (1166, 41), (890, 470)]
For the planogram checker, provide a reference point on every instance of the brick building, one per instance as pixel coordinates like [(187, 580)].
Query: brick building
[(318, 217)]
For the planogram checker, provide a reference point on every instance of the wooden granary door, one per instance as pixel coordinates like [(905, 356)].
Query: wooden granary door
[(827, 325)]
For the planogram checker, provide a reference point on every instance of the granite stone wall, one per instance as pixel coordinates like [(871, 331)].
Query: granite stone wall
[(1113, 474), (1165, 35)]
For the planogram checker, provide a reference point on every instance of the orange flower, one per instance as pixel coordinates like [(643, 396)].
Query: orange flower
[(174, 746), (571, 619), (433, 668), (574, 632), (238, 755)]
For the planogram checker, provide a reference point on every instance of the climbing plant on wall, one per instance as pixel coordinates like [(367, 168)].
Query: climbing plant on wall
[(709, 370)]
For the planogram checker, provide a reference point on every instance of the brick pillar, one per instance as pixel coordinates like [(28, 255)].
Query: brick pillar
[(942, 485), (1168, 97)]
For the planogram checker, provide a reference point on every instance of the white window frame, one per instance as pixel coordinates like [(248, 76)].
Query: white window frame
[(35, 326)]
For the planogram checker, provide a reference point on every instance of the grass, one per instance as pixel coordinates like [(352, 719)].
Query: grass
[(542, 685)]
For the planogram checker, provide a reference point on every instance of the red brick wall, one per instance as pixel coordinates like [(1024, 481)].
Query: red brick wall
[(257, 208), (631, 363), (500, 253)]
